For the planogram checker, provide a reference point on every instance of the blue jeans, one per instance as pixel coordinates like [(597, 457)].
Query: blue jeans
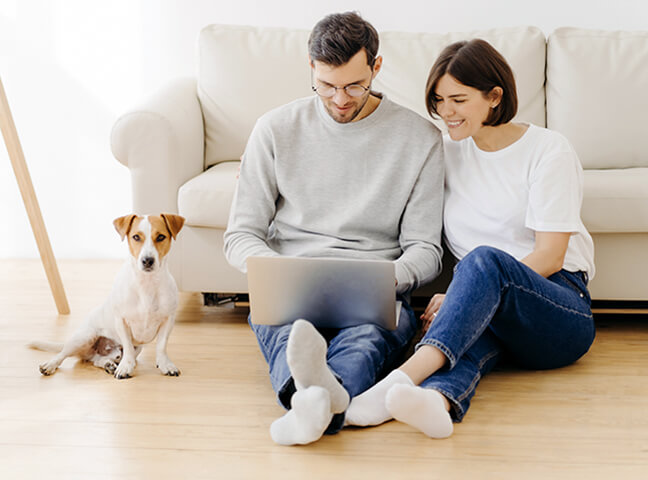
[(495, 306), (357, 356)]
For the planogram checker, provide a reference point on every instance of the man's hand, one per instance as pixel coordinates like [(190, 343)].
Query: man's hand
[(431, 310)]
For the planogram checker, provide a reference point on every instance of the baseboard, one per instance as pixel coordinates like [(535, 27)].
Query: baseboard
[(603, 307)]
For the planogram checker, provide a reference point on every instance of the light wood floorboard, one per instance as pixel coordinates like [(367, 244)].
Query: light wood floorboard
[(588, 420)]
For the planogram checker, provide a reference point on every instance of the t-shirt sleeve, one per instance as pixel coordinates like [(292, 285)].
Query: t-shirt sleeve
[(556, 192)]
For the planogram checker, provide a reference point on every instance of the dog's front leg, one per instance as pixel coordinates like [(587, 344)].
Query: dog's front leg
[(162, 360), (128, 362)]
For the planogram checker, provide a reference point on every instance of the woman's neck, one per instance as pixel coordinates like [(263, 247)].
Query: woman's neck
[(492, 139)]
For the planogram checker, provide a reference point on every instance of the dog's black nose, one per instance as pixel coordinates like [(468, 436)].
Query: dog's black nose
[(147, 262)]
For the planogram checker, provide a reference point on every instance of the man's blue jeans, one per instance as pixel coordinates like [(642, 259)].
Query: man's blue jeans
[(496, 305), (357, 356)]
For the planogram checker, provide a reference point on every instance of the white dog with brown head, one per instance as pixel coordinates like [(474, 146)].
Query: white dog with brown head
[(141, 305)]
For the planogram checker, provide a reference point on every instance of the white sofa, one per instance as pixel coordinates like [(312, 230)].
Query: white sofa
[(182, 146)]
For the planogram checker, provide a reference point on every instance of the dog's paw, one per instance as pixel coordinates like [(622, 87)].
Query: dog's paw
[(110, 367), (122, 375), (124, 369), (47, 368), (168, 368)]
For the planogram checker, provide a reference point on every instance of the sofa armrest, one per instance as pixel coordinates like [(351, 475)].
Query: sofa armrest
[(162, 143)]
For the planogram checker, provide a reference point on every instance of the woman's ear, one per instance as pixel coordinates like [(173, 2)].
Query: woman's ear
[(495, 96)]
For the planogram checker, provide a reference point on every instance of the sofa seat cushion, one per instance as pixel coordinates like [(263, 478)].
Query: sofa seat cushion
[(616, 200), (205, 200)]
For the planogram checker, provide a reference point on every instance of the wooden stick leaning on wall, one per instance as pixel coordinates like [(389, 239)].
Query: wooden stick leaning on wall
[(26, 187)]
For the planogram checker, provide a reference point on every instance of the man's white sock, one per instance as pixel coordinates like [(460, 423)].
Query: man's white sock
[(420, 408), (306, 421), (369, 408), (306, 357)]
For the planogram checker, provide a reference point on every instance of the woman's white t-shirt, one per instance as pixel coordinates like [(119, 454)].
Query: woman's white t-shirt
[(502, 198)]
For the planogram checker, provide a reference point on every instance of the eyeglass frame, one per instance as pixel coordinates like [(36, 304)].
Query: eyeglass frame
[(335, 89)]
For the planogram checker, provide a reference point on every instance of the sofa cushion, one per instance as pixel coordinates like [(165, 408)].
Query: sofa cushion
[(616, 200), (408, 58), (205, 200), (597, 95), (245, 71), (242, 73)]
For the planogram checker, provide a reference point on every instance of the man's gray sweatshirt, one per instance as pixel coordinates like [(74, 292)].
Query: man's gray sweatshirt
[(310, 186)]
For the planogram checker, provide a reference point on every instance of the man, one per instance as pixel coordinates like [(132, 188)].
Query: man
[(344, 173)]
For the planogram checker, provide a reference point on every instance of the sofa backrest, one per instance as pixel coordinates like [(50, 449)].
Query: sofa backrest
[(245, 71), (597, 95)]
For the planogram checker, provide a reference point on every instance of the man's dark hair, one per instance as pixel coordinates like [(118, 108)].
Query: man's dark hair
[(339, 36), (476, 64)]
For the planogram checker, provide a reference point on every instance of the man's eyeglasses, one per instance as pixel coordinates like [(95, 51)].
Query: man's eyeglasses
[(327, 91), (354, 90)]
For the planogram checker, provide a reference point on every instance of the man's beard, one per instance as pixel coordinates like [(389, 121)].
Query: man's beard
[(348, 116)]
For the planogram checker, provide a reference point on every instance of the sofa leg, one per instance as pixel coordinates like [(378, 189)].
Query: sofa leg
[(212, 299)]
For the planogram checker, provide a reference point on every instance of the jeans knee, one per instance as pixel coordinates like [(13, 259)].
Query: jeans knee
[(363, 334), (483, 258)]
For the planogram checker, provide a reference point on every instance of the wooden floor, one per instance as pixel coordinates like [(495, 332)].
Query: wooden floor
[(589, 420)]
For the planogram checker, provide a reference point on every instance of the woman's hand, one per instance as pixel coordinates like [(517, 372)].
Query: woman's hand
[(431, 310)]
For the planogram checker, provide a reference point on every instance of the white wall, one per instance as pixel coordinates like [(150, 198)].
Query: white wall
[(71, 67)]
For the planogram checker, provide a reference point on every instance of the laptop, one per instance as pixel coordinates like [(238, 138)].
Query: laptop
[(328, 292)]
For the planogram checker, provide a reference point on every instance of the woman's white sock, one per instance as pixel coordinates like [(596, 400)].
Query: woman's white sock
[(306, 421), (306, 357), (420, 408), (369, 408)]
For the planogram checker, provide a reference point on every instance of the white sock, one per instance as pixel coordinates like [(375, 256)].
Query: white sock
[(369, 407), (420, 408), (306, 357), (306, 421)]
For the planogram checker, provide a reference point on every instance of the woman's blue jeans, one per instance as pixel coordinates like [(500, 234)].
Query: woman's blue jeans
[(357, 356), (496, 305)]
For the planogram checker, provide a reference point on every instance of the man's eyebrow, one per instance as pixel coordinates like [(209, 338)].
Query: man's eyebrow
[(357, 82)]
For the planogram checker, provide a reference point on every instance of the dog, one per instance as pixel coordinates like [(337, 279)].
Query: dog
[(141, 305)]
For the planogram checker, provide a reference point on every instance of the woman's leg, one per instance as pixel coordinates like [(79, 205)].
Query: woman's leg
[(447, 393), (544, 323)]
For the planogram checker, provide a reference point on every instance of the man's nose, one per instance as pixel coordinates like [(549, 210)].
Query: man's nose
[(340, 97)]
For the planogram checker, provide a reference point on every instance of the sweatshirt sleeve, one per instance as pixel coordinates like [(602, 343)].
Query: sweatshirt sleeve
[(421, 224), (253, 206)]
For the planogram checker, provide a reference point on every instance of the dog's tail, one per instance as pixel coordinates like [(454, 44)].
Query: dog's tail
[(46, 346)]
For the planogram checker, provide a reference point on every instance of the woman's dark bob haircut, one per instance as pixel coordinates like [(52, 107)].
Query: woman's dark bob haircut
[(476, 64)]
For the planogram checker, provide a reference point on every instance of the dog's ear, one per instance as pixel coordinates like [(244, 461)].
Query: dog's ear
[(123, 224), (173, 222)]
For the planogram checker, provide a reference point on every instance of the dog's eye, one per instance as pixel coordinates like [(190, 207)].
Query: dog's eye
[(136, 237), (160, 238)]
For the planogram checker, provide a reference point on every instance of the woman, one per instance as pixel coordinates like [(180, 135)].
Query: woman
[(512, 218)]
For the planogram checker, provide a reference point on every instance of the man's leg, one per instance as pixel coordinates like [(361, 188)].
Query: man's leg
[(297, 361), (272, 343), (296, 356), (319, 394), (360, 355)]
